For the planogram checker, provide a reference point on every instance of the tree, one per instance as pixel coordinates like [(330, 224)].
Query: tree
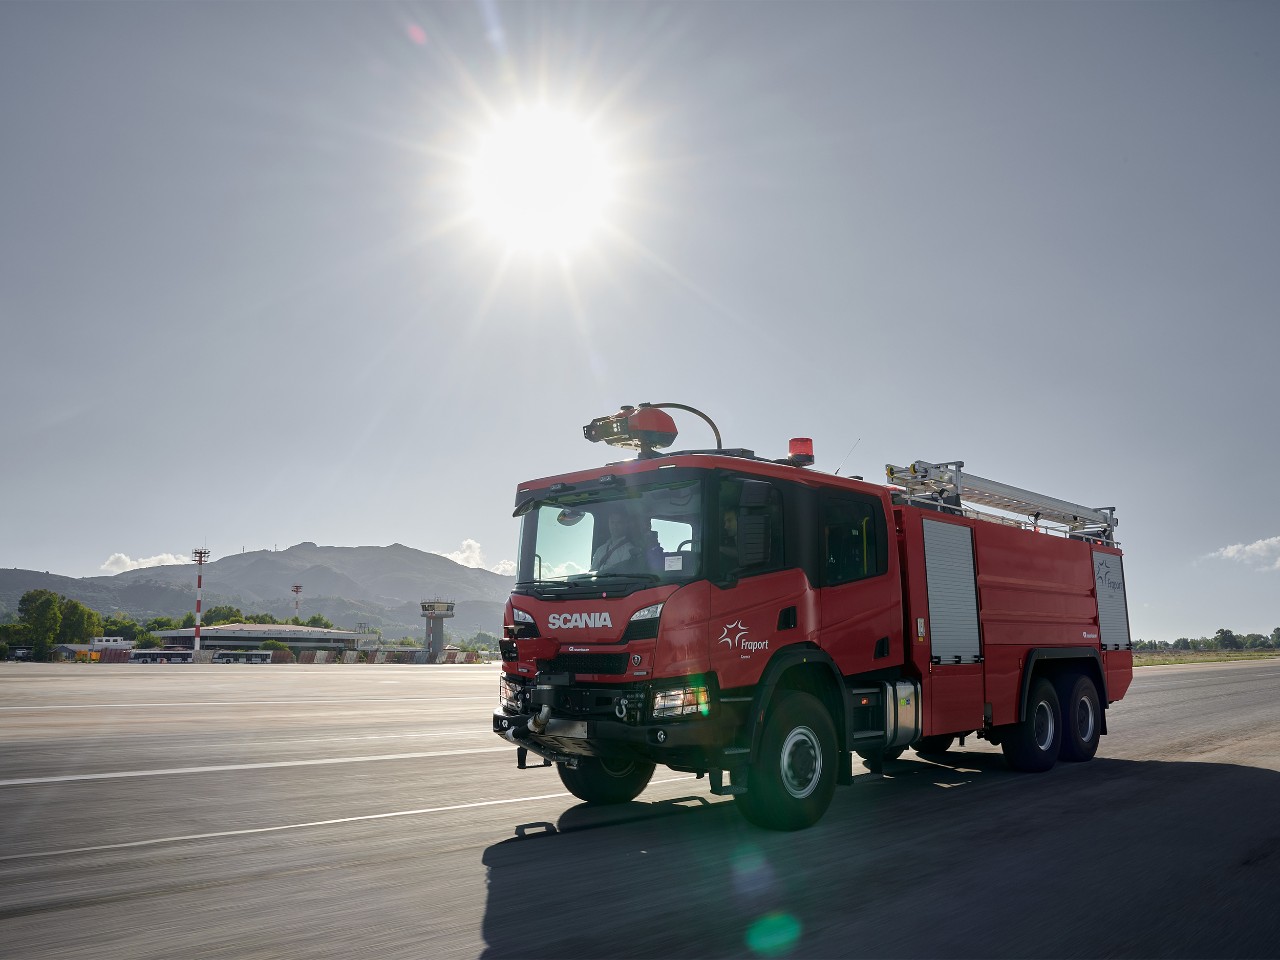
[(319, 621), (79, 623), (118, 625), (221, 614), (260, 618), (43, 616), (1227, 640), (188, 621), (478, 642), (14, 635), (161, 623), (149, 643)]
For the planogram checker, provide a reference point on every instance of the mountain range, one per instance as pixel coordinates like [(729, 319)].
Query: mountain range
[(377, 586)]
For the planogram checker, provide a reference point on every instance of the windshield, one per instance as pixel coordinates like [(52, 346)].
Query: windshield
[(649, 532)]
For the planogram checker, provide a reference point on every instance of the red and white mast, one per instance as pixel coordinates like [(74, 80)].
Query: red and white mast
[(199, 555)]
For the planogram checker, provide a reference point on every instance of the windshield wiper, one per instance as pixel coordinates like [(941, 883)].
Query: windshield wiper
[(626, 576)]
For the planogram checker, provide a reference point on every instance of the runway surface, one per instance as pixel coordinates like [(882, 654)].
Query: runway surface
[(162, 811)]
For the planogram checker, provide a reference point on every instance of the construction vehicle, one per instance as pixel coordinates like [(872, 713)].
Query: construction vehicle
[(761, 624)]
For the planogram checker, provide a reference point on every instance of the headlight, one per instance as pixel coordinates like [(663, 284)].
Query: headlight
[(650, 612), (509, 691), (523, 626), (644, 624), (680, 702)]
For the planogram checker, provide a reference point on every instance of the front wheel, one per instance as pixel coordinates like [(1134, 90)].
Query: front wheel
[(606, 781), (1081, 718), (1033, 744), (794, 775)]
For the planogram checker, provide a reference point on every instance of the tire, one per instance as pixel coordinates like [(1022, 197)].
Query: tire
[(935, 746), (606, 781), (1081, 718), (794, 774), (1033, 744)]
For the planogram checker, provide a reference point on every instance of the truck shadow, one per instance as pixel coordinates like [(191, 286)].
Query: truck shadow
[(958, 859)]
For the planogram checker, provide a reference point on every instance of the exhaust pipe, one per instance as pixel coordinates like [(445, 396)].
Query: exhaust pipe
[(537, 724)]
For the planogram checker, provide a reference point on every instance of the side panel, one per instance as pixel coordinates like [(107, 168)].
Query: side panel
[(1034, 590), (861, 620)]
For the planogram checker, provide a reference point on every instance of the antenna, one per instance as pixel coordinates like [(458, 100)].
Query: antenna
[(847, 456)]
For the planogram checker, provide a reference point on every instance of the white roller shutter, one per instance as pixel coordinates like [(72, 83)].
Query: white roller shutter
[(953, 592), (1113, 610)]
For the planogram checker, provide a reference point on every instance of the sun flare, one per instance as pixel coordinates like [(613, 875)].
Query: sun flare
[(541, 181)]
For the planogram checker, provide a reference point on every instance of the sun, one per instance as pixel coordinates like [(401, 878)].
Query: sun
[(541, 181)]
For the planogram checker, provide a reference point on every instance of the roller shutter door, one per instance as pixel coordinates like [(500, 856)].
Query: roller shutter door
[(953, 594), (1113, 610)]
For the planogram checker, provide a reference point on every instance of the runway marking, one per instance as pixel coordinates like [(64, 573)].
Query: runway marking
[(224, 768), (243, 703), (249, 831)]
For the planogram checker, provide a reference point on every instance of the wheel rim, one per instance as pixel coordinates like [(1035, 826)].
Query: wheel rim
[(1085, 719), (620, 769), (801, 762), (1044, 726)]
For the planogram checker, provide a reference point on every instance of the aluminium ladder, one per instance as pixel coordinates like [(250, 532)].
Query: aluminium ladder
[(947, 484)]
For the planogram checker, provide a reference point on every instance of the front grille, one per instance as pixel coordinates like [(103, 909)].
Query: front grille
[(586, 663)]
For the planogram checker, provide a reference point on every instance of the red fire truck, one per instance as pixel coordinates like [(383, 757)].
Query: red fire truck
[(759, 623)]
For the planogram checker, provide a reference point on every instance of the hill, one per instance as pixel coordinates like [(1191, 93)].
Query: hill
[(379, 586)]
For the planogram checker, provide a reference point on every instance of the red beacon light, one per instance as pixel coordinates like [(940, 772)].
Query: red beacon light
[(645, 428), (800, 451)]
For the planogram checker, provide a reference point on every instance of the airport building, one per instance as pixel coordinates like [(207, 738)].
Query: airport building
[(248, 636)]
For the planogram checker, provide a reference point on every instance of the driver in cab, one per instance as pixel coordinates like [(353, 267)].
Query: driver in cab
[(618, 554)]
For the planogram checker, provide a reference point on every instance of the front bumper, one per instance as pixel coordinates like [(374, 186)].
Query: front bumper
[(688, 741)]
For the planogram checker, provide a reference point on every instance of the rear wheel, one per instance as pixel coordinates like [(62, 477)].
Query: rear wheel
[(794, 775), (1033, 744), (1081, 718), (935, 746), (606, 781)]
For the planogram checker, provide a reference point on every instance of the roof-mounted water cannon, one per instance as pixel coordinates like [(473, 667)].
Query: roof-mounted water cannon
[(645, 428)]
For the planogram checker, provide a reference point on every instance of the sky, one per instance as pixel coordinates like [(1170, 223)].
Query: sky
[(250, 295)]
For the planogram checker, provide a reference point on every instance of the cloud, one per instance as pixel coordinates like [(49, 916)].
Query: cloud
[(119, 562), (1263, 554), (471, 555)]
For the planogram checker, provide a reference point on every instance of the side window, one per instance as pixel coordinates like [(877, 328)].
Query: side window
[(853, 540), (749, 531)]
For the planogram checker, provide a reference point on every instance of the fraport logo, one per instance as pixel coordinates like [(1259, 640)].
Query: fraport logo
[(576, 621), (735, 635)]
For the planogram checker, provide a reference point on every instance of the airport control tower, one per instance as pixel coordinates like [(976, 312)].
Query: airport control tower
[(435, 612)]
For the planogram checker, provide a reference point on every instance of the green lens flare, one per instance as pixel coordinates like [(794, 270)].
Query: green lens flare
[(773, 935)]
